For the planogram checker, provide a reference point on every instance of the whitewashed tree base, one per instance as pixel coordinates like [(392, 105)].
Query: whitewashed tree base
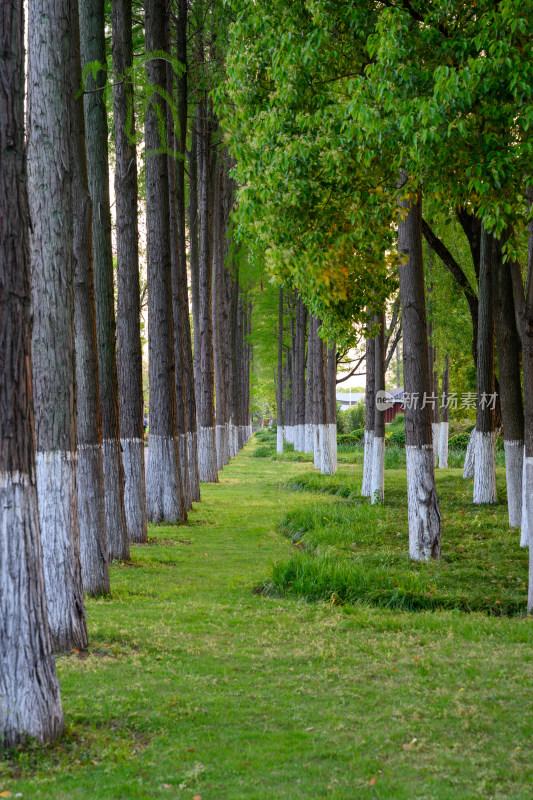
[(528, 481), (443, 445), (514, 461), (309, 437), (30, 702), (117, 534), (134, 489), (333, 440), (366, 489), (327, 466), (58, 516), (279, 439), (435, 433), (470, 457), (207, 456), (194, 480), (317, 455), (377, 484), (484, 469), (163, 488), (91, 520), (525, 526), (422, 504), (184, 470), (225, 444), (219, 439)]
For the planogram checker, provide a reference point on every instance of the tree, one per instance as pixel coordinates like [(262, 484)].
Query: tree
[(50, 128), (370, 415), (92, 38), (378, 445), (129, 352), (30, 703), (91, 487)]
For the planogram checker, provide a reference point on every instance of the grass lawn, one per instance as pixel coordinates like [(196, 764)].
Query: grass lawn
[(195, 685)]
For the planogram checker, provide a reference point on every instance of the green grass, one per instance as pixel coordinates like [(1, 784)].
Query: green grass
[(195, 685)]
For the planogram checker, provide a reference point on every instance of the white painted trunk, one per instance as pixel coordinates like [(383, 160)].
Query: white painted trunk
[(163, 490), (235, 440), (484, 469), (377, 483), (366, 489), (225, 442), (470, 457), (207, 455), (528, 480), (58, 516), (333, 440), (422, 504), (514, 460), (134, 489), (117, 534), (435, 432), (309, 437), (443, 445), (526, 503), (91, 520), (327, 466), (288, 434), (317, 455), (279, 439), (194, 481), (184, 469), (220, 446), (30, 702)]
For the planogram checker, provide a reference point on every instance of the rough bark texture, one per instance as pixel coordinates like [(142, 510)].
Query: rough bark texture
[(331, 380), (92, 19), (309, 388), (129, 352), (164, 499), (485, 466), (370, 400), (423, 506), (91, 497), (30, 703), (52, 271), (279, 397), (470, 457), (377, 483), (205, 384), (508, 344)]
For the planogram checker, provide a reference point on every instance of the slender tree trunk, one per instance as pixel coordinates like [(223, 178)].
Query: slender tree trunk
[(207, 455), (323, 457), (443, 439), (129, 352), (92, 18), (30, 703), (377, 485), (91, 496), (508, 343), (332, 402), (193, 359), (279, 403), (470, 457), (485, 465), (164, 497), (299, 375), (370, 414), (423, 506), (177, 295), (309, 388), (52, 270), (216, 311)]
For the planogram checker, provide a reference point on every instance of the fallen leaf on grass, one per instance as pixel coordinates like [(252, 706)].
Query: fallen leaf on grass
[(197, 797), (373, 781), (5, 794)]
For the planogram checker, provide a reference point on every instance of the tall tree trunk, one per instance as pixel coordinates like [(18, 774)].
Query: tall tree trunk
[(508, 344), (194, 356), (299, 375), (370, 414), (443, 438), (92, 35), (470, 456), (52, 274), (423, 506), (205, 388), (323, 458), (485, 465), (279, 397), (91, 496), (309, 388), (164, 496), (30, 703), (332, 401), (177, 294), (216, 311), (377, 486), (129, 352)]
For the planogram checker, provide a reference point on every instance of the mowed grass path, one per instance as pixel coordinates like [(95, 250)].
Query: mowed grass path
[(195, 686)]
